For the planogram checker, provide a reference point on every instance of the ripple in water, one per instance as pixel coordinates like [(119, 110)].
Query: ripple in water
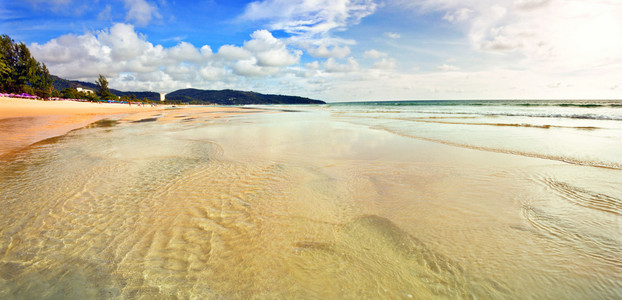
[(151, 210)]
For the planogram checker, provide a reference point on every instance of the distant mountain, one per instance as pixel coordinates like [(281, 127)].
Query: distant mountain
[(196, 96), (232, 97), (61, 84)]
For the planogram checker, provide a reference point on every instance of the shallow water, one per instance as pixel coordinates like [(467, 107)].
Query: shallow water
[(325, 203)]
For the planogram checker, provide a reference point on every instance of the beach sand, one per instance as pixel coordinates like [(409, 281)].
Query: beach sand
[(300, 202), (24, 121)]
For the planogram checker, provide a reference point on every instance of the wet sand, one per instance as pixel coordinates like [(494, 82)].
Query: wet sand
[(227, 203)]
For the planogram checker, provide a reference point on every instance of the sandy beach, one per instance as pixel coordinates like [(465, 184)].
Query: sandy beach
[(434, 201), (19, 108), (24, 122)]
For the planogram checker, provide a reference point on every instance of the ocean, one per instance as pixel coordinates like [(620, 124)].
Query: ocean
[(373, 200)]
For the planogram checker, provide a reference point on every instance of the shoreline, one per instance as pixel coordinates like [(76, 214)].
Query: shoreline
[(196, 198), (26, 121)]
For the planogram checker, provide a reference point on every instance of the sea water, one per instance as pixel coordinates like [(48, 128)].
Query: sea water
[(425, 200)]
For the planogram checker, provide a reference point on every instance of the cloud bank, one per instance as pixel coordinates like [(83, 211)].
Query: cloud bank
[(499, 49), (131, 61), (562, 35)]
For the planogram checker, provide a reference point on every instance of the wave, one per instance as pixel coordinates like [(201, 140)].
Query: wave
[(564, 159), (585, 198), (519, 103), (560, 158), (560, 116), (532, 115), (589, 110), (527, 125), (581, 105), (489, 113), (562, 229)]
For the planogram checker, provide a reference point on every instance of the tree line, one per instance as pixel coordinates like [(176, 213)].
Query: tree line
[(20, 72)]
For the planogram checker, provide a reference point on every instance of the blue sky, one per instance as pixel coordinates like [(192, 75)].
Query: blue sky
[(334, 50)]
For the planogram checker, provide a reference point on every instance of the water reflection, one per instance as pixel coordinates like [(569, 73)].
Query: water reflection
[(293, 205)]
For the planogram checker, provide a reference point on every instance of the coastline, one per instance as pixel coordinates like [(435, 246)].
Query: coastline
[(24, 121)]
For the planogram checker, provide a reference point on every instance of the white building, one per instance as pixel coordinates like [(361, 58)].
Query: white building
[(162, 96), (79, 89)]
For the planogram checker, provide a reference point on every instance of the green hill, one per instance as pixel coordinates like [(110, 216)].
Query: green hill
[(61, 84), (195, 96), (233, 97)]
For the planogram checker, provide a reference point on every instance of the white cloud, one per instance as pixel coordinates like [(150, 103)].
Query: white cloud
[(322, 47), (140, 12), (332, 66), (261, 56), (551, 35), (131, 62), (64, 49), (270, 51), (373, 53), (186, 52), (447, 68), (313, 65), (250, 68), (206, 51), (309, 17), (392, 35), (231, 52), (531, 4), (324, 51), (459, 15), (311, 24), (213, 73), (178, 72), (123, 42), (385, 64), (106, 13)]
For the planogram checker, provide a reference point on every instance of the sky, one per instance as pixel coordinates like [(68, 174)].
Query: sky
[(333, 50)]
